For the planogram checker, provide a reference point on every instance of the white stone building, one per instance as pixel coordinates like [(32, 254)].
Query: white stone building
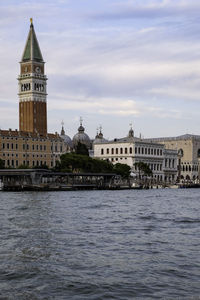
[(131, 150), (188, 148)]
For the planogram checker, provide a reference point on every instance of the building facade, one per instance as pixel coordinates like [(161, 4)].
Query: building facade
[(188, 148), (131, 150)]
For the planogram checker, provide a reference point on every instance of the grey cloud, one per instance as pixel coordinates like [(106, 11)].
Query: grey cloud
[(148, 11)]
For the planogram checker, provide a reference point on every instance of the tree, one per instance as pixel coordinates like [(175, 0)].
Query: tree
[(72, 162), (23, 167), (81, 149), (143, 168), (122, 169), (2, 164)]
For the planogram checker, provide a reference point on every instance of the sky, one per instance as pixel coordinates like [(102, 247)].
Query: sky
[(111, 62)]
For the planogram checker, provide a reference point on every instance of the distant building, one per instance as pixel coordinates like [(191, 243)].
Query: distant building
[(188, 148), (32, 146), (130, 150)]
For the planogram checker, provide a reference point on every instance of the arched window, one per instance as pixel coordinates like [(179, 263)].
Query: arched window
[(112, 150), (107, 150), (116, 150), (180, 152), (130, 150), (121, 150), (198, 153), (126, 150), (142, 150)]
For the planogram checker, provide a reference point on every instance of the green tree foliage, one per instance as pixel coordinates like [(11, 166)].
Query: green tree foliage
[(143, 168), (72, 162), (81, 149), (23, 167), (122, 169), (2, 164), (42, 166)]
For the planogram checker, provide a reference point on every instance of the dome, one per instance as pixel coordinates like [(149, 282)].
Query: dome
[(99, 138), (81, 137), (67, 140)]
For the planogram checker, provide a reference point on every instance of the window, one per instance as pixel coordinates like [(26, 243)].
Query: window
[(3, 146), (116, 150), (102, 151), (154, 151), (40, 147), (130, 150), (33, 147), (12, 146), (158, 151), (46, 148), (135, 150), (139, 150), (107, 150), (16, 146), (126, 150), (121, 150), (16, 163), (149, 151), (112, 150), (7, 146), (142, 150), (145, 150)]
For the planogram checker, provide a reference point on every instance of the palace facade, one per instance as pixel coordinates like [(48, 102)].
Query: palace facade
[(188, 148)]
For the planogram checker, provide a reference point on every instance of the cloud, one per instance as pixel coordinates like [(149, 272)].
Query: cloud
[(148, 10), (145, 68)]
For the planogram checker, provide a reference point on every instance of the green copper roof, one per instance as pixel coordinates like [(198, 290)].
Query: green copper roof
[(32, 49)]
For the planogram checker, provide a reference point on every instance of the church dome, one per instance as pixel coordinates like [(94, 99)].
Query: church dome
[(67, 140), (99, 138), (81, 137)]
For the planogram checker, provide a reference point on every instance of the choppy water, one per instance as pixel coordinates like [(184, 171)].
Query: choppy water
[(100, 245)]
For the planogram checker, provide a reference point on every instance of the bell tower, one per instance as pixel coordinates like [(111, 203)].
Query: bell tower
[(32, 88)]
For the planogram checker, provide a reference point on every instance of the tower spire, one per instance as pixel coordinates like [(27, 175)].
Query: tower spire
[(32, 49)]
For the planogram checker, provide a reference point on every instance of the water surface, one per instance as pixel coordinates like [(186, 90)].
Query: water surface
[(100, 245)]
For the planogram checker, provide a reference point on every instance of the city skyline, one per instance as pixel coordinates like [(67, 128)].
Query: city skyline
[(112, 63)]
